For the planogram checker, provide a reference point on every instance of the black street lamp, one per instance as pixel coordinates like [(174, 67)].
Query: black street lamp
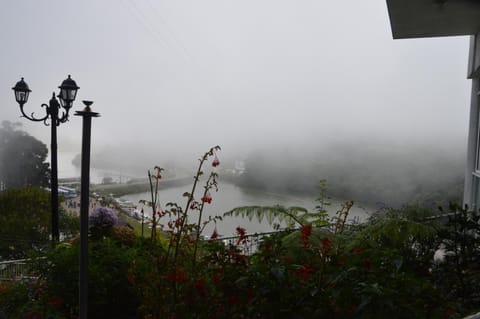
[(68, 92)]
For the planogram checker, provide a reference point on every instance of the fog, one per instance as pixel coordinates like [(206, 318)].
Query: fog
[(173, 78)]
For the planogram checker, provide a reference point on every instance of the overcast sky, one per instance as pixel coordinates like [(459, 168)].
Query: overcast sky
[(189, 74)]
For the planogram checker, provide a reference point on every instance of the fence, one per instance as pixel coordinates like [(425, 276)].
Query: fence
[(252, 242), (19, 269)]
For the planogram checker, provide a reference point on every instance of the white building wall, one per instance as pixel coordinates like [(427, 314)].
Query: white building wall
[(472, 170)]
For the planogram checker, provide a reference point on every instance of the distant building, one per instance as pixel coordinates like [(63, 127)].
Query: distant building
[(439, 18)]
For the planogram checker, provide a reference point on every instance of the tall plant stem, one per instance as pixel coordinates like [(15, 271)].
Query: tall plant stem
[(207, 188), (185, 211), (154, 196)]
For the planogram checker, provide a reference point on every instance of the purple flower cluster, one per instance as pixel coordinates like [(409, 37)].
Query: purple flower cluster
[(102, 217)]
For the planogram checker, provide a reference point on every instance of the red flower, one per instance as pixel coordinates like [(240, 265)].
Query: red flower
[(214, 234), (267, 246), (305, 232), (242, 235), (131, 279), (233, 300), (179, 223), (305, 271), (33, 315), (215, 162), (367, 264), (55, 302), (357, 249), (193, 204), (326, 244), (179, 276), (200, 286), (207, 198), (241, 231), (216, 278)]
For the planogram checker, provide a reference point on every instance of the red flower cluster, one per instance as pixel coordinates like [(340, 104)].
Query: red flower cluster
[(207, 198), (305, 232), (179, 276), (215, 162)]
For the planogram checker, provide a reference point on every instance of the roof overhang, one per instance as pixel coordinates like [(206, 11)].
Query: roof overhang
[(433, 18)]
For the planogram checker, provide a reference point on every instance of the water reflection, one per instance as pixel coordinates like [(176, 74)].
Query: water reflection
[(230, 196)]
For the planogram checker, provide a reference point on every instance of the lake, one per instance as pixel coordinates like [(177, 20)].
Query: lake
[(230, 196)]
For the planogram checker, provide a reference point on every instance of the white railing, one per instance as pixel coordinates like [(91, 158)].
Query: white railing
[(19, 269)]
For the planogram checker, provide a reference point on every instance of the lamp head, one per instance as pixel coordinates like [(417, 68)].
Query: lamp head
[(21, 90), (68, 92)]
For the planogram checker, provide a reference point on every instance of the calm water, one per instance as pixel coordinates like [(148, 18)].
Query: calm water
[(230, 196)]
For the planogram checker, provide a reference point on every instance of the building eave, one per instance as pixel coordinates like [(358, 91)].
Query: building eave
[(433, 18)]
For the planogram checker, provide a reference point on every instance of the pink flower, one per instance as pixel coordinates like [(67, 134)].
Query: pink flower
[(215, 162)]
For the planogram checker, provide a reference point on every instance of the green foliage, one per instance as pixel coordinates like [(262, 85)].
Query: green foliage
[(290, 216), (109, 263), (24, 221), (381, 269), (69, 225), (384, 268), (22, 159), (459, 272)]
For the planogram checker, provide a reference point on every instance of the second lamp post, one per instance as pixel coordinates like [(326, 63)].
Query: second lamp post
[(68, 92)]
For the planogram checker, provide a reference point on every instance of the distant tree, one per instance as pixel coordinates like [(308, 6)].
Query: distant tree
[(22, 158), (24, 221)]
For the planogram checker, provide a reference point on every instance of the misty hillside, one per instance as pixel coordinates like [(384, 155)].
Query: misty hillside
[(377, 174)]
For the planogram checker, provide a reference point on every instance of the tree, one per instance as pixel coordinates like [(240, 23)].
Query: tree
[(24, 221), (22, 158)]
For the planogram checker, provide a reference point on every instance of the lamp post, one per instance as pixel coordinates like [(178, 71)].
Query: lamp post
[(68, 92), (87, 115)]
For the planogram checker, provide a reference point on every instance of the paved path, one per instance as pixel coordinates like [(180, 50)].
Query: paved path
[(72, 205)]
